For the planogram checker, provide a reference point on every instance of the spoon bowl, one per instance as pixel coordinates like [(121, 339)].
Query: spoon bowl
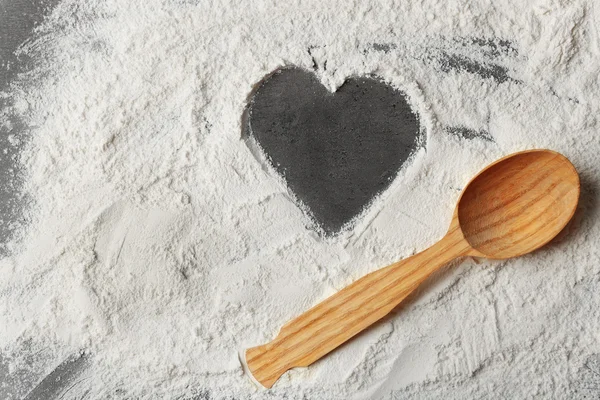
[(518, 204)]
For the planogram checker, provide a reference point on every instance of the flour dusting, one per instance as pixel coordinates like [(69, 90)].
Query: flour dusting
[(158, 246)]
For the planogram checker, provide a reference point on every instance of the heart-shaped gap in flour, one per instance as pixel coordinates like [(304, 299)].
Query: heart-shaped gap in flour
[(336, 151)]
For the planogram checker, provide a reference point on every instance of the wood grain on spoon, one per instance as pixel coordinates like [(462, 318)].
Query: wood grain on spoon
[(512, 207)]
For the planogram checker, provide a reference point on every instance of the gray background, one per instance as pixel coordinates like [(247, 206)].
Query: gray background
[(45, 378), (18, 18)]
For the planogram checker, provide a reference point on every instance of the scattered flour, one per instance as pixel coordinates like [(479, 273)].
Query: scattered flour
[(157, 244)]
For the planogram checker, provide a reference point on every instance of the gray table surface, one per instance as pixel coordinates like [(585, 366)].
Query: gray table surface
[(45, 378)]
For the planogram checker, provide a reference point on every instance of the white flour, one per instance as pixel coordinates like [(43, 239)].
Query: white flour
[(158, 244)]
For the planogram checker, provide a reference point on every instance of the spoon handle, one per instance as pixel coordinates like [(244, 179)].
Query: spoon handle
[(338, 318)]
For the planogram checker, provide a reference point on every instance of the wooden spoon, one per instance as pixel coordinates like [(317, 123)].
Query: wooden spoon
[(512, 207)]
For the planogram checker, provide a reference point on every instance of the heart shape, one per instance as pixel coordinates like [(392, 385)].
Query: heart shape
[(335, 151)]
